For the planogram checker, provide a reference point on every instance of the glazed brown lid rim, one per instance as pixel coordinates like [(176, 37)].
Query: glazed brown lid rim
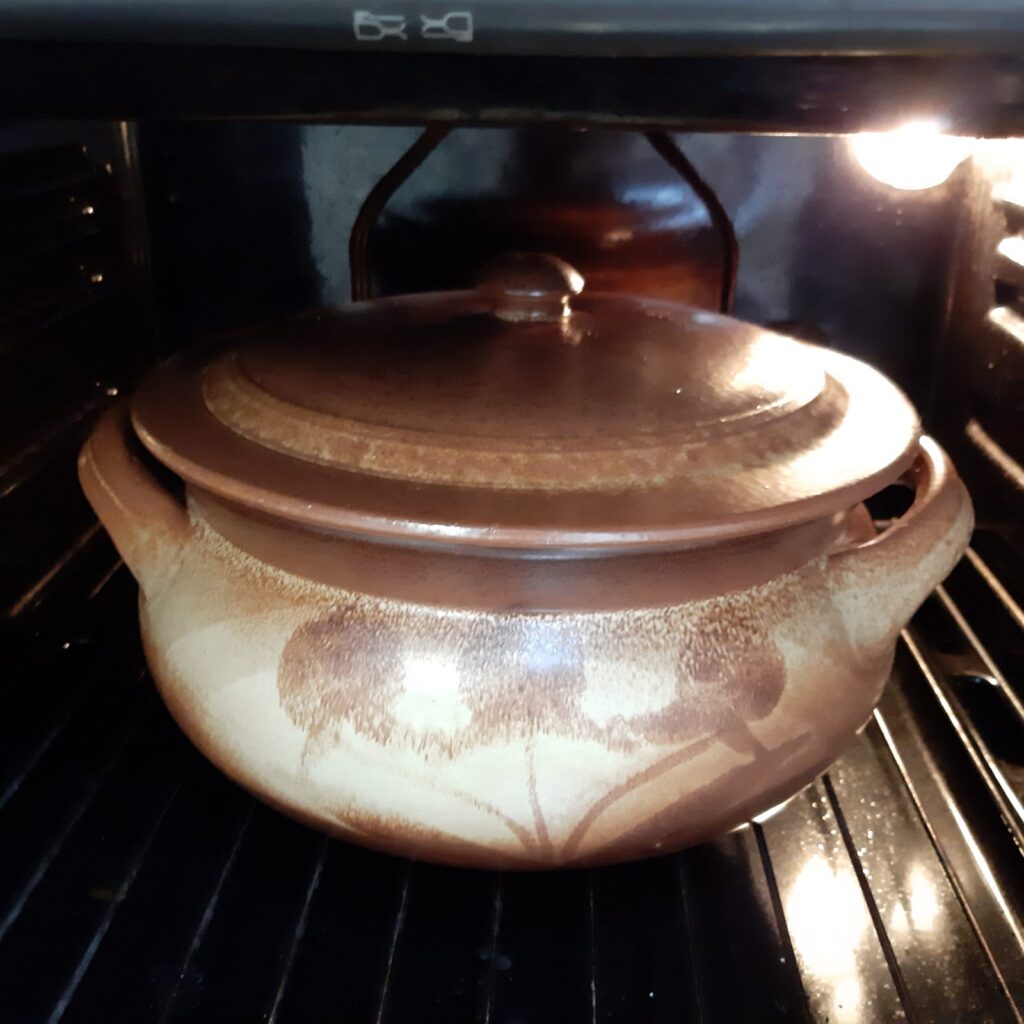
[(546, 541), (877, 431)]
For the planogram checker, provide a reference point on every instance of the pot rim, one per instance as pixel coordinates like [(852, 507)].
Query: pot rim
[(474, 579)]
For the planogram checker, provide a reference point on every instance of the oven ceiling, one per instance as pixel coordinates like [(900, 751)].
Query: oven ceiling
[(976, 95)]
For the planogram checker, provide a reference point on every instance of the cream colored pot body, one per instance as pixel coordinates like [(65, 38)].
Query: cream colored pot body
[(516, 738)]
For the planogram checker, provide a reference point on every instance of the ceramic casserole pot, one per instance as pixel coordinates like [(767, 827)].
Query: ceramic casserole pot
[(523, 576)]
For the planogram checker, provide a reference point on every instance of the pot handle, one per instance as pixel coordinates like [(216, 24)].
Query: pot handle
[(148, 524), (879, 583)]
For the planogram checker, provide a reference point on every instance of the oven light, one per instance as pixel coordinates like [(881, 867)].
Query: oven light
[(914, 157)]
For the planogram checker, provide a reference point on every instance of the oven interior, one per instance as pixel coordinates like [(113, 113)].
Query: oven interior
[(137, 884)]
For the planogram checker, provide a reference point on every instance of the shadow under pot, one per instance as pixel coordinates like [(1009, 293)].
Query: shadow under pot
[(521, 576)]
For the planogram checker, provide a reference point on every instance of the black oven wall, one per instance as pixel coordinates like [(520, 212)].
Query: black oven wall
[(253, 220)]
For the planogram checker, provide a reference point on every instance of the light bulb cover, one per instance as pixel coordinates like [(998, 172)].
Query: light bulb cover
[(911, 158)]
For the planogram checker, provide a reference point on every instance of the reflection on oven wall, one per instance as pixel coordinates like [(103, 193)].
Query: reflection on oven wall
[(250, 221)]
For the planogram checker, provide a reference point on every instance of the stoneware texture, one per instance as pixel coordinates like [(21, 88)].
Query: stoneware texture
[(524, 669), (517, 739), (526, 415)]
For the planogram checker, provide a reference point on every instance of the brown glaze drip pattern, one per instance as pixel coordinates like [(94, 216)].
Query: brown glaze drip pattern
[(519, 677), (516, 678)]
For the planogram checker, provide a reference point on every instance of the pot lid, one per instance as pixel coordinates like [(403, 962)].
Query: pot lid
[(527, 414)]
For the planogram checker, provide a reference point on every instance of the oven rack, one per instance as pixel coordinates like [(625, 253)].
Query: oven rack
[(137, 884)]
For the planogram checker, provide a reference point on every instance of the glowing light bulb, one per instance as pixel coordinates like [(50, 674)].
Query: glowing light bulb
[(914, 157)]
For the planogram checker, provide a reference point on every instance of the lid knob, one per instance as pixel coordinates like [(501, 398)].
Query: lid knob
[(530, 286)]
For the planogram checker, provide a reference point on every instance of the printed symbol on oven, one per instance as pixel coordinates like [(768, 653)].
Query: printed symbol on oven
[(455, 25), (369, 27)]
